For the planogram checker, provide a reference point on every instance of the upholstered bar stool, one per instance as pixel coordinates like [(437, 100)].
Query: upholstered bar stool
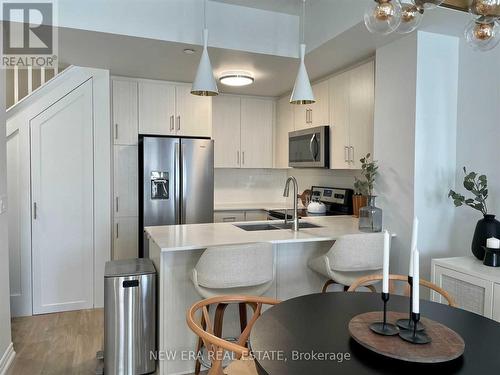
[(352, 256), (233, 270)]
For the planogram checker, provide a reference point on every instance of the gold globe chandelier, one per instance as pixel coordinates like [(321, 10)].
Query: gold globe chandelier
[(404, 16)]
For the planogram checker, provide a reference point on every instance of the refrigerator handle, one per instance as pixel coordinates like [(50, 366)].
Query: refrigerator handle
[(177, 183), (183, 194)]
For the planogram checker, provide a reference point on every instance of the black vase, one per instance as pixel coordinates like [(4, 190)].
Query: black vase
[(485, 228)]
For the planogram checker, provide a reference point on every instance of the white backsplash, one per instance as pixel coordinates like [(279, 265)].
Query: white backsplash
[(266, 185)]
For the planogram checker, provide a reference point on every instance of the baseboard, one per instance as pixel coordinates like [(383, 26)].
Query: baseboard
[(7, 359)]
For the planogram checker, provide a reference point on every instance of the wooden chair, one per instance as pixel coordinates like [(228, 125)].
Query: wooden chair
[(370, 279), (217, 346)]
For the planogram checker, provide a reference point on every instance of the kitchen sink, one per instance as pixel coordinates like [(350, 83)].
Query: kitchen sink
[(280, 226)]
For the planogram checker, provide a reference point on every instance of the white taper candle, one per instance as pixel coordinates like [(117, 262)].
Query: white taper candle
[(414, 239), (385, 270), (416, 282)]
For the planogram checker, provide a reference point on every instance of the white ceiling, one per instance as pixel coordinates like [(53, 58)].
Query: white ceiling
[(280, 6)]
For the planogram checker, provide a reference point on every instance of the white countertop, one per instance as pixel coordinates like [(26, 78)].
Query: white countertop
[(252, 206), (200, 236)]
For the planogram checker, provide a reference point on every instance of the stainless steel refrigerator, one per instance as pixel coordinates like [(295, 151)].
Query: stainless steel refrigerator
[(176, 183)]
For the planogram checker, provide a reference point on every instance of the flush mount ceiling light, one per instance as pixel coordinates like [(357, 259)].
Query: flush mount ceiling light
[(302, 91), (189, 51), (204, 84), (236, 78)]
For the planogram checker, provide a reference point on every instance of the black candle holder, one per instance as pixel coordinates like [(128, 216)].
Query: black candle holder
[(384, 328), (414, 336), (407, 324)]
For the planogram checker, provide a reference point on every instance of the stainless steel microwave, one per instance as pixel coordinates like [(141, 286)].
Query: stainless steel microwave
[(309, 148)]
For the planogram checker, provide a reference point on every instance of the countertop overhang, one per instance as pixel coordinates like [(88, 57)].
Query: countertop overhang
[(199, 236)]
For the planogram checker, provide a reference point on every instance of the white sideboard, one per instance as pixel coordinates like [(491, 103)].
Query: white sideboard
[(474, 286)]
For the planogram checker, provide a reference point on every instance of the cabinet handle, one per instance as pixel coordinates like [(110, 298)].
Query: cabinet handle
[(352, 157), (346, 154), (116, 205), (237, 157), (178, 122), (310, 116), (243, 157), (172, 122), (117, 235), (34, 211), (228, 219), (116, 131)]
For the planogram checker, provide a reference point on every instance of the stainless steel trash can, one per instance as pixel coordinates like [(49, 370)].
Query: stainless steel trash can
[(129, 317)]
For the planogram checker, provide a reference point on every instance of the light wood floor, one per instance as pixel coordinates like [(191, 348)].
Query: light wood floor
[(61, 343)]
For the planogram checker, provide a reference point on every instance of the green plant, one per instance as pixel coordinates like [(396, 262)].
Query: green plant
[(369, 171), (478, 186)]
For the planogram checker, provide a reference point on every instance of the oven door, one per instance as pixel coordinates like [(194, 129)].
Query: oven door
[(309, 148)]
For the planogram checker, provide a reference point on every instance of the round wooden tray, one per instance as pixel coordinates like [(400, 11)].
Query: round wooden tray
[(446, 344)]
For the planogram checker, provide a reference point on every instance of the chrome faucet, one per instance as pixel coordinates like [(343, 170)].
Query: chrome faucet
[(286, 194)]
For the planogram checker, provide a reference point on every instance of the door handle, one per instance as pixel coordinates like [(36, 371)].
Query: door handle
[(178, 122), (177, 183), (182, 197), (116, 131), (35, 208), (172, 122)]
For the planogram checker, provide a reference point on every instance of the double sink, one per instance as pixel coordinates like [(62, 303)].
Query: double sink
[(280, 226)]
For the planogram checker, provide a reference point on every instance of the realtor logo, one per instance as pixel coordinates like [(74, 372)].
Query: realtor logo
[(29, 35)]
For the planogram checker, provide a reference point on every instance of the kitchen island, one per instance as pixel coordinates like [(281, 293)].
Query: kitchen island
[(175, 249)]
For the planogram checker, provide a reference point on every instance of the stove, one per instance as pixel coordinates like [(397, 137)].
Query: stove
[(337, 201)]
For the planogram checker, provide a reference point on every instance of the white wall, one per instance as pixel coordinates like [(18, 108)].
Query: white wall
[(5, 335), (415, 122), (478, 135)]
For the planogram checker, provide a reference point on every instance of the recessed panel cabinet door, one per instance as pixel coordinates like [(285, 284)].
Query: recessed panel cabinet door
[(226, 131), (339, 124), (125, 239), (125, 127), (284, 125), (194, 113), (257, 118), (156, 108), (62, 204), (126, 181)]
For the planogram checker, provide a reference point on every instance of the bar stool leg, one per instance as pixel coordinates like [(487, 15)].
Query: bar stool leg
[(199, 346), (219, 318), (243, 317)]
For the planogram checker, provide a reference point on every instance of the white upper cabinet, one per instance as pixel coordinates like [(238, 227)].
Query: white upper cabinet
[(317, 114), (243, 131), (193, 113), (156, 108), (362, 99), (351, 114), (257, 120), (284, 125), (125, 128), (226, 131), (171, 109)]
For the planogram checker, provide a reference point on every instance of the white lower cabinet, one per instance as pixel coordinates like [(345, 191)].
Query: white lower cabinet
[(237, 216), (126, 238), (257, 215), (474, 286)]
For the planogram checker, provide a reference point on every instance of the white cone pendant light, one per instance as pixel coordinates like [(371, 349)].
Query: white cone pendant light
[(302, 91), (204, 84)]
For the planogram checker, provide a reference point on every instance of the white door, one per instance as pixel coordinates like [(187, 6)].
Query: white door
[(284, 125), (257, 119), (194, 113), (62, 204), (125, 128), (126, 238), (226, 131), (156, 108), (126, 181), (339, 124), (319, 114), (361, 101)]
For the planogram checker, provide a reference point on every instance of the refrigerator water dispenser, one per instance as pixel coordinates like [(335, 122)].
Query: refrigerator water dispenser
[(159, 185)]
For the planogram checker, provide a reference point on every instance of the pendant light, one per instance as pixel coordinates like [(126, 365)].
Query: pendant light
[(302, 91), (204, 84)]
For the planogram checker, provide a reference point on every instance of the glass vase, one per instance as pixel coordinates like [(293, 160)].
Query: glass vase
[(370, 217)]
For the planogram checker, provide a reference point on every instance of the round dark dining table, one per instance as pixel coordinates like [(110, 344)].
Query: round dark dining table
[(309, 335)]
